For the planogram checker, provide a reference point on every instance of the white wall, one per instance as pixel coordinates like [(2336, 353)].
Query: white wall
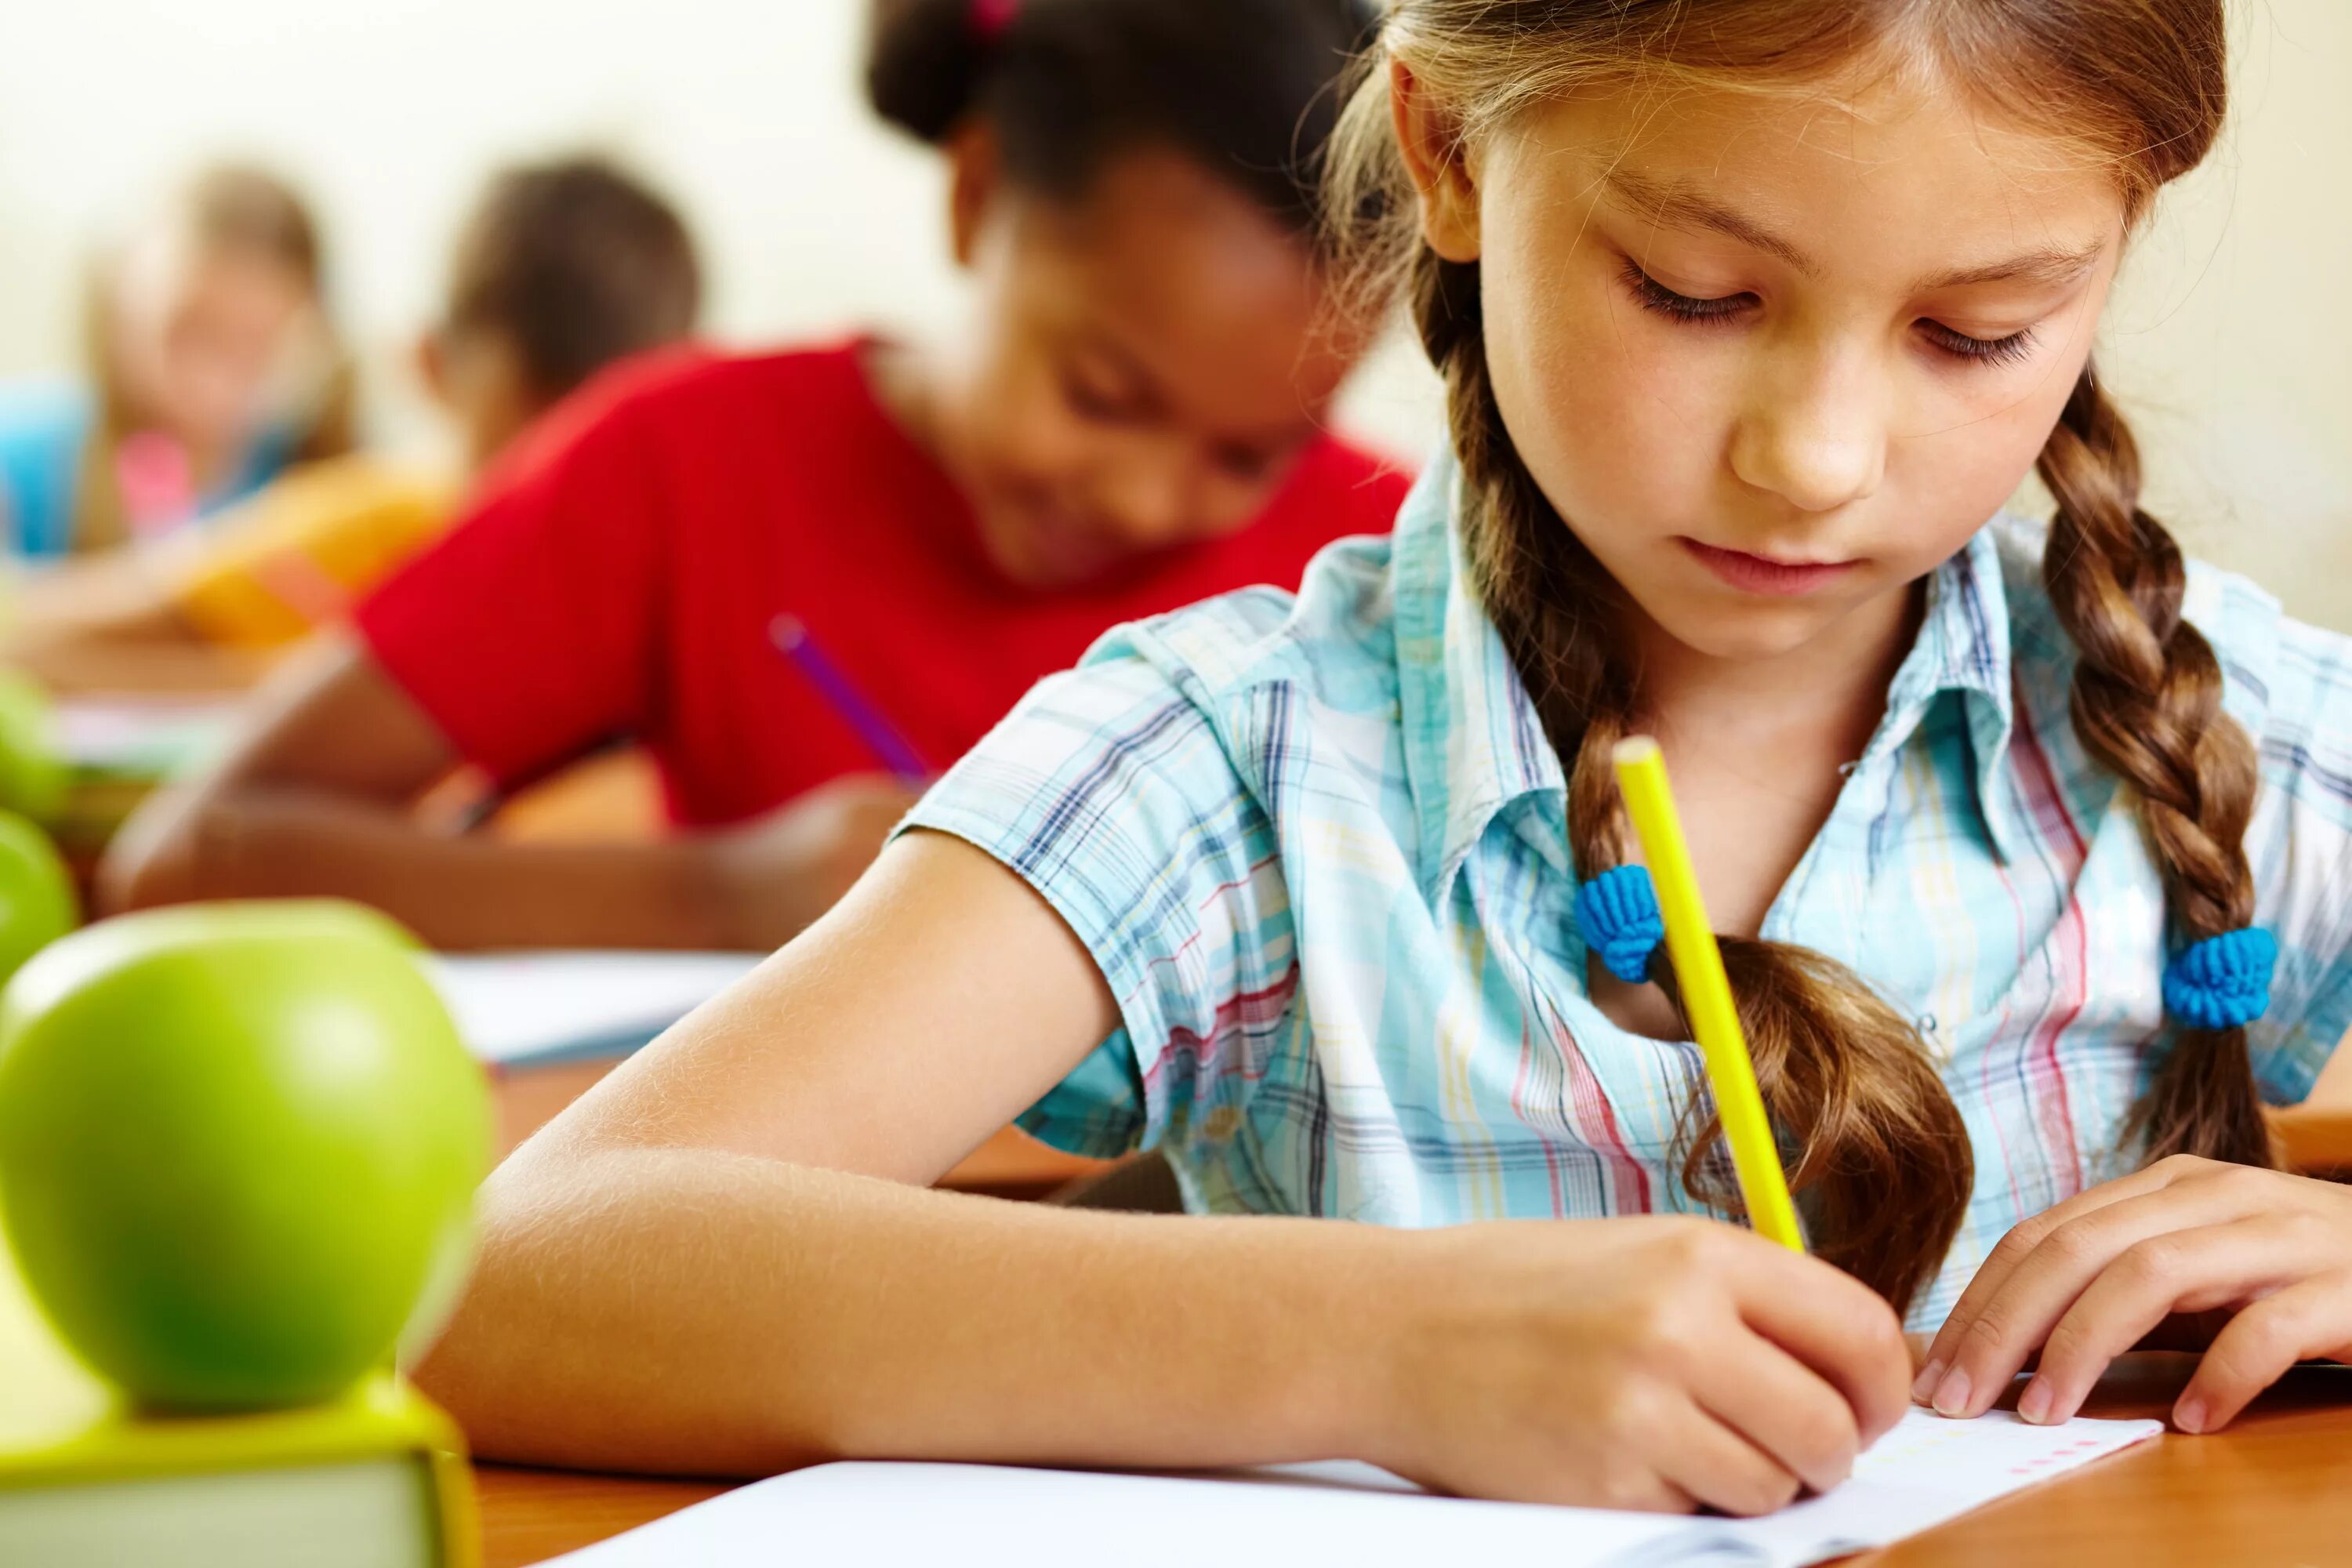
[(2232, 339), (390, 111)]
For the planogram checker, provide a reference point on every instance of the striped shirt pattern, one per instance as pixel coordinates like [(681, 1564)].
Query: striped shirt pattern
[(1316, 845)]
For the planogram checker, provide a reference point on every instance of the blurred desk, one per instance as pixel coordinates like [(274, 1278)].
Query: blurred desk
[(2275, 1489)]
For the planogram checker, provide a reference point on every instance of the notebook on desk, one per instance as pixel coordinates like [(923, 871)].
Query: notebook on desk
[(144, 738), (1925, 1471), (526, 1009)]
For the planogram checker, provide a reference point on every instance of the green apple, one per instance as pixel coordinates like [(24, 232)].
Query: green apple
[(36, 896), (239, 1145), (32, 773)]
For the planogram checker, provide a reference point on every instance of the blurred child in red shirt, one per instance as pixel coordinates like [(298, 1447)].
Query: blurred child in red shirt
[(802, 579)]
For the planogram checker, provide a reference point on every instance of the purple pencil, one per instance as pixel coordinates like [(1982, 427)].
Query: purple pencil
[(789, 637)]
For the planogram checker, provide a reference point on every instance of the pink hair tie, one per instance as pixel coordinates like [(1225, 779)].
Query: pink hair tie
[(991, 18)]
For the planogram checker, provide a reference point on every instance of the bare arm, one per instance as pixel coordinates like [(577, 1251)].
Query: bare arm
[(108, 625), (719, 1261), (317, 799)]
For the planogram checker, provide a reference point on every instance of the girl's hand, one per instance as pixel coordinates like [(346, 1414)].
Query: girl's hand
[(1649, 1363), (774, 877), (2268, 1253)]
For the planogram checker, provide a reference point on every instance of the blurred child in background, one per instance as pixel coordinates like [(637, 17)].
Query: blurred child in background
[(212, 365), (562, 268), (787, 572)]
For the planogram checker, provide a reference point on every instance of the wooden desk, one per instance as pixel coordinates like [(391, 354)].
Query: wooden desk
[(2275, 1489), (2317, 1138)]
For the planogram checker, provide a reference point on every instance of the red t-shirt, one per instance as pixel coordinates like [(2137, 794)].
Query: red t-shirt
[(619, 575)]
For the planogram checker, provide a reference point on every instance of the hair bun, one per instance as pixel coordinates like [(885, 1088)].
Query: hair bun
[(923, 64)]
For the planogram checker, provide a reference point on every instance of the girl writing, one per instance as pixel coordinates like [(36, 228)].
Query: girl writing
[(2025, 834)]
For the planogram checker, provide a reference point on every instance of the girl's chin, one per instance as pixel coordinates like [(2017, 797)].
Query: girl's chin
[(1743, 632)]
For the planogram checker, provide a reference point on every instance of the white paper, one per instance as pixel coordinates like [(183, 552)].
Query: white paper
[(975, 1516), (141, 735), (1930, 1469), (520, 1007)]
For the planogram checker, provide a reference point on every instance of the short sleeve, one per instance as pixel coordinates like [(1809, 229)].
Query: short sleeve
[(2300, 847), (1114, 795), (527, 633)]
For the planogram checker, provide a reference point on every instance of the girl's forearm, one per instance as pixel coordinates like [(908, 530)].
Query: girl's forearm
[(70, 664), (697, 1312), (455, 891)]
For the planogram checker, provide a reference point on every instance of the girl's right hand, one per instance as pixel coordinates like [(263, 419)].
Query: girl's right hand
[(774, 876), (1651, 1362)]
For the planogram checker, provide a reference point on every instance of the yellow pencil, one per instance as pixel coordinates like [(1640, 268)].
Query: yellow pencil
[(1706, 992)]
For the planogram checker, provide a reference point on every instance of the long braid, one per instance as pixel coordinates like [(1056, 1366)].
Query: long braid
[(2147, 702), (1881, 1159)]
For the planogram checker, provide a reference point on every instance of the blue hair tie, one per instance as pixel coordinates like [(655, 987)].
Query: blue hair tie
[(2223, 981), (1618, 913)]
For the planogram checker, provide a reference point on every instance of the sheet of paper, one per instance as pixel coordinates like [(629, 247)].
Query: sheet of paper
[(973, 1516), (922, 1516), (1928, 1470), (141, 737), (521, 1007)]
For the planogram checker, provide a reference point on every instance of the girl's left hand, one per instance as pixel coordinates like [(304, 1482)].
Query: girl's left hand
[(2268, 1253)]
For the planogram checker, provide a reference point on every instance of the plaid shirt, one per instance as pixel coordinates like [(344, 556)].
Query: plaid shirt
[(1316, 845)]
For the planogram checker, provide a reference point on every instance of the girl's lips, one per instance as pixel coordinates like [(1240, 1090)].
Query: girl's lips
[(1759, 574)]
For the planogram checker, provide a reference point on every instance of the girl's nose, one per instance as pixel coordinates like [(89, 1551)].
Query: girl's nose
[(1814, 433), (1148, 498)]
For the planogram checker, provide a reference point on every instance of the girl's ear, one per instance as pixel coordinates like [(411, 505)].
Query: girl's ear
[(976, 174), (431, 358), (1431, 140)]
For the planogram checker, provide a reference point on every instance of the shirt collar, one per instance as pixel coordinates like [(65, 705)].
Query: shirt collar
[(1963, 647), (1473, 744)]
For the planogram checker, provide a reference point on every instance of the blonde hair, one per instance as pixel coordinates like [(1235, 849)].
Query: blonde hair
[(1881, 1157), (228, 207)]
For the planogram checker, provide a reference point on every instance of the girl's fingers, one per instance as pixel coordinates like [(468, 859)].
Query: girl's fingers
[(2019, 1244), (2010, 1324), (2313, 1318), (1780, 1407), (1699, 1455), (2185, 1270), (1828, 1322)]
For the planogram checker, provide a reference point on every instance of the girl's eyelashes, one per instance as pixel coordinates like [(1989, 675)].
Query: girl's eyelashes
[(1247, 464), (2006, 350), (1652, 295), (1092, 403)]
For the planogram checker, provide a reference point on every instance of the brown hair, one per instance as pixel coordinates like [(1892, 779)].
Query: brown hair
[(1881, 1154), (230, 208), (577, 264)]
